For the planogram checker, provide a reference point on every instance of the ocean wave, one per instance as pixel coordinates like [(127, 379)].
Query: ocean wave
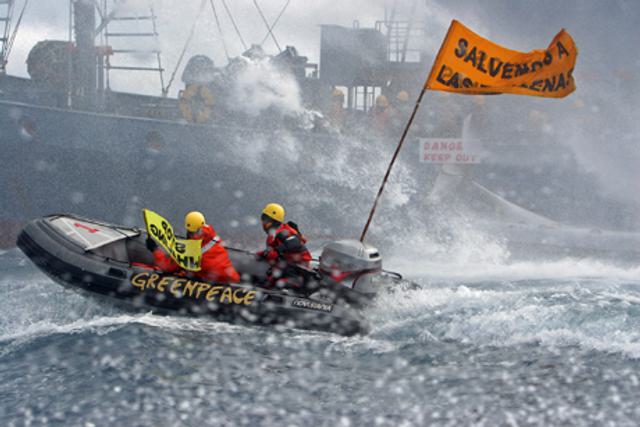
[(591, 314), (562, 269)]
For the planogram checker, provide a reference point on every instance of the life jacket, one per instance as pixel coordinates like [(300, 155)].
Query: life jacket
[(287, 243), (215, 264)]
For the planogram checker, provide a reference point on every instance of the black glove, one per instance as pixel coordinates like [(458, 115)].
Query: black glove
[(151, 244)]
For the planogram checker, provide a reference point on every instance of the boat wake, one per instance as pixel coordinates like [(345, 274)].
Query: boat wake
[(587, 304)]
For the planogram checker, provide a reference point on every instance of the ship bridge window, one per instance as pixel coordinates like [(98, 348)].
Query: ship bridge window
[(364, 97)]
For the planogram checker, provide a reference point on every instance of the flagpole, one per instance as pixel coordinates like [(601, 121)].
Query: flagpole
[(393, 160), (406, 130), (484, 85)]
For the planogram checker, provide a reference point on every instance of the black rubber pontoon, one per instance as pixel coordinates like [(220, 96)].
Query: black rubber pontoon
[(113, 263)]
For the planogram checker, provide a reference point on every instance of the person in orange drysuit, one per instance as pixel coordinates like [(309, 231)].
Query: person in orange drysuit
[(215, 265)]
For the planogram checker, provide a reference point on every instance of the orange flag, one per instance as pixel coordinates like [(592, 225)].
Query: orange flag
[(470, 64)]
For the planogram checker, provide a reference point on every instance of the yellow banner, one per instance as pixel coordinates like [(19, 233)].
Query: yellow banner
[(470, 64), (186, 252)]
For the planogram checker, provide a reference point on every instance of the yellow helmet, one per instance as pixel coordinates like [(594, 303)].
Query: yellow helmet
[(382, 101), (337, 93), (403, 96), (194, 221), (274, 211)]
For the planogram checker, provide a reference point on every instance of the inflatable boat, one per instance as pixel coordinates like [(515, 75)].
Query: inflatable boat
[(112, 262)]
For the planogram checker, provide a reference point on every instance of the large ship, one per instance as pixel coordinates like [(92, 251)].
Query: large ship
[(71, 143)]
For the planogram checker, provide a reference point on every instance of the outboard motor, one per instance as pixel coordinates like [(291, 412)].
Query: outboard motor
[(352, 264)]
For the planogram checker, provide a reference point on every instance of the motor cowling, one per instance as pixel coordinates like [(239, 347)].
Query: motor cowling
[(353, 264)]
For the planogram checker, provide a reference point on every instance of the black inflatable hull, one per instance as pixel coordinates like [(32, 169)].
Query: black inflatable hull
[(148, 290)]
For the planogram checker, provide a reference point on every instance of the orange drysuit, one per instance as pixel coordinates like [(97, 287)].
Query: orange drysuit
[(215, 264)]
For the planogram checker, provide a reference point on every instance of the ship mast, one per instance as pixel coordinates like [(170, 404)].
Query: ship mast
[(84, 23)]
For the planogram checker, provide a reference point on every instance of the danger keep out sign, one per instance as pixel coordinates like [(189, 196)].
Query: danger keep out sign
[(446, 150)]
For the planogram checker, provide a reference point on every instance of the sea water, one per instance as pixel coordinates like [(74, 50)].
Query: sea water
[(554, 343)]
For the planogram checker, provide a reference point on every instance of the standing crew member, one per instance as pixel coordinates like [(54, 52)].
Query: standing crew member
[(215, 265), (336, 113), (381, 115), (284, 240)]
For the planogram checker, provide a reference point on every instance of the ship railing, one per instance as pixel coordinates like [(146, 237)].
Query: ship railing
[(123, 39), (405, 40)]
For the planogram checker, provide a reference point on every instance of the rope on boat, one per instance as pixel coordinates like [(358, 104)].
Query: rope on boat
[(224, 3), (275, 22), (215, 15), (266, 23)]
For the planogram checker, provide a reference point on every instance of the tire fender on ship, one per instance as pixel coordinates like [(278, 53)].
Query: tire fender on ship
[(196, 103)]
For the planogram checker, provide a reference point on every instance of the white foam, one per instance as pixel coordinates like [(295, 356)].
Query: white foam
[(622, 343), (45, 327), (566, 268), (259, 85), (593, 315)]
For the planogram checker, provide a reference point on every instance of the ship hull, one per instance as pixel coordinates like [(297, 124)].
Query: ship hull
[(59, 160)]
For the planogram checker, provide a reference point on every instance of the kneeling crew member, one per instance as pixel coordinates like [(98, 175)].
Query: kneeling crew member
[(215, 263), (284, 241)]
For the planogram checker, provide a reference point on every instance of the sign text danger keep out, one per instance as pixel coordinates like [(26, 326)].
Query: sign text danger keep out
[(445, 150)]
